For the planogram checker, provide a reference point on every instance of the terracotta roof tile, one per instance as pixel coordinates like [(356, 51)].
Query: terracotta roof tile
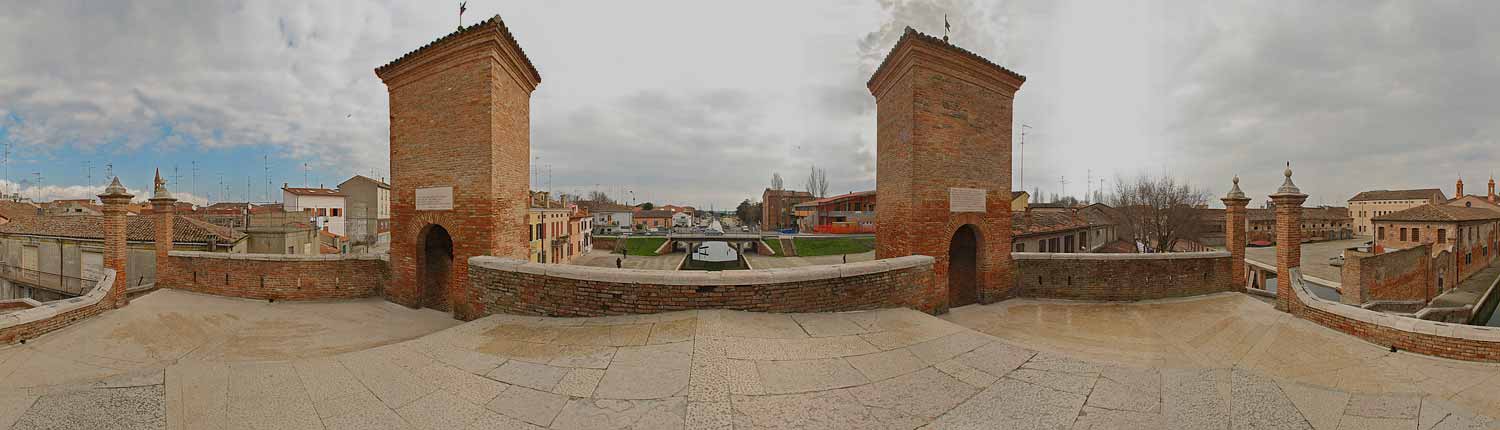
[(313, 192), (1440, 213), (493, 22), (1045, 222), (1423, 193), (913, 34), (137, 228)]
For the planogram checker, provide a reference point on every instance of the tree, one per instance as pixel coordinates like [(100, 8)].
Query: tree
[(1159, 212), (776, 181), (817, 182), (599, 196), (748, 212), (647, 206)]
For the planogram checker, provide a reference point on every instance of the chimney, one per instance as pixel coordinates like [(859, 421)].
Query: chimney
[(1492, 188), (1460, 188), (283, 185)]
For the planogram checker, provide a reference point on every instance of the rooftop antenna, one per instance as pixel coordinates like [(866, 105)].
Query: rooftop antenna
[(1062, 186), (304, 174), (38, 185), (462, 6), (195, 178), (88, 168), (1021, 169)]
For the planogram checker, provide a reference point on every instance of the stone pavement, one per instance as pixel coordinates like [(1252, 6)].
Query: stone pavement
[(1315, 256), (603, 258), (1214, 362), (765, 262)]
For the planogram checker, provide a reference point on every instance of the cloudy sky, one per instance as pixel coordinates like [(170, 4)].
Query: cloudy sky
[(699, 102)]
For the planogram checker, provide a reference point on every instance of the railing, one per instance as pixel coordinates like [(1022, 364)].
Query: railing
[(70, 285)]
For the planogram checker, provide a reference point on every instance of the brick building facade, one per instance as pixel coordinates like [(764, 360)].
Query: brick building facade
[(943, 145), (776, 208), (460, 151)]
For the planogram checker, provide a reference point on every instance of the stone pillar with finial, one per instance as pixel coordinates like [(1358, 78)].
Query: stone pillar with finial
[(115, 199), (1288, 200), (1234, 233), (164, 210)]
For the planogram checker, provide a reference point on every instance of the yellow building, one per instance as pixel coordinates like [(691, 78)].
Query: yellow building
[(550, 234)]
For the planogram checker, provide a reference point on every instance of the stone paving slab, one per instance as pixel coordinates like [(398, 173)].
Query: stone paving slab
[(1017, 364)]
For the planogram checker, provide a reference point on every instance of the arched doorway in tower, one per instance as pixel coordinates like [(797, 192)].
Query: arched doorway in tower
[(963, 270), (435, 267)]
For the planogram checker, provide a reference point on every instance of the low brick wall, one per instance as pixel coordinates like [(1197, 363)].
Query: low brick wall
[(518, 287), (1121, 277), (278, 277), (46, 317), (1404, 275), (1457, 341)]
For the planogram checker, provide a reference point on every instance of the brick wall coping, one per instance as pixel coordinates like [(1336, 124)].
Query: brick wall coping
[(1309, 278), (1109, 256), (59, 307), (19, 303), (1404, 324), (278, 257), (728, 277)]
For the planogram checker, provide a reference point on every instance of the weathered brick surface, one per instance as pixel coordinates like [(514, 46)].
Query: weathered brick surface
[(276, 277), (943, 120), (28, 324), (460, 118), (1439, 345), (1288, 231), (1103, 277), (1401, 275), (1234, 236), (513, 288), (114, 241)]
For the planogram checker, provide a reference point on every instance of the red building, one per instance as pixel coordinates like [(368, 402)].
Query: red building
[(848, 213)]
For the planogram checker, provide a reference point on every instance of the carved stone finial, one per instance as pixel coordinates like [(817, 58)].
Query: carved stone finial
[(115, 189), (1287, 187), (1234, 192), (160, 192)]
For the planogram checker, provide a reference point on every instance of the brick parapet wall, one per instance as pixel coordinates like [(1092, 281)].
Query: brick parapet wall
[(54, 315), (278, 277), (1456, 341), (1122, 277), (518, 287), (1404, 275)]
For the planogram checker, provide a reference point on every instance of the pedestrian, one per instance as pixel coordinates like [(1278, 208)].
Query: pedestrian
[(618, 264), (846, 258)]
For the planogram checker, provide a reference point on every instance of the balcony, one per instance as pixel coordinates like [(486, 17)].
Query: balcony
[(55, 282)]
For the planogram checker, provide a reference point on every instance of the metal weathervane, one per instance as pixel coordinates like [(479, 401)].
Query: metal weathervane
[(946, 27), (462, 6)]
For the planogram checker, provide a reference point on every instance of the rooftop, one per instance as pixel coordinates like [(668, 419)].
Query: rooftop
[(1423, 193), (312, 192), (1432, 212), (138, 228)]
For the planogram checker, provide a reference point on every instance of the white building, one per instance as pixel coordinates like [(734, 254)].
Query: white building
[(682, 219), (324, 207)]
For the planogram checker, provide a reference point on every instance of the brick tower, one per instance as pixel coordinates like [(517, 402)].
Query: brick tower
[(115, 199), (1234, 233), (943, 148), (460, 147), (1288, 200), (164, 210)]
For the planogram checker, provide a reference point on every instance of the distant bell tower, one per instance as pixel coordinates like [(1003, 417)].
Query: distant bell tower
[(943, 153), (460, 112)]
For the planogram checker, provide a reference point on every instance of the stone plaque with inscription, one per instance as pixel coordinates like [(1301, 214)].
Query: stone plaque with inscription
[(966, 200), (435, 199)]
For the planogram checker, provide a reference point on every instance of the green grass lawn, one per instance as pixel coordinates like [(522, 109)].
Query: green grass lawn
[(813, 247), (775, 245), (643, 245)]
